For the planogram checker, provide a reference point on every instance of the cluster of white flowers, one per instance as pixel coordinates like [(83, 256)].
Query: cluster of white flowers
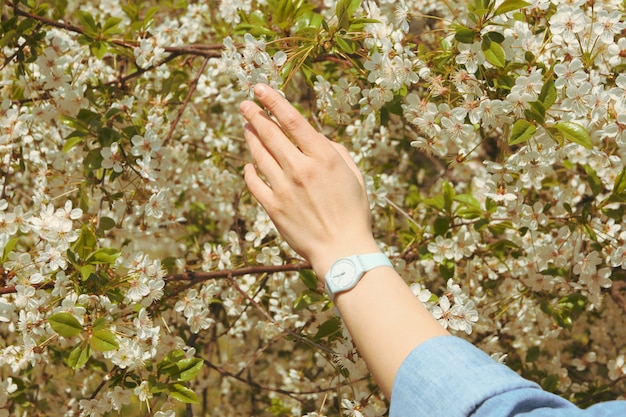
[(454, 309), (253, 64), (195, 307)]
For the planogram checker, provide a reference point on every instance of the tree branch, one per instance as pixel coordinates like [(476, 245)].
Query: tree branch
[(292, 394), (192, 278), (616, 294), (192, 89), (196, 277), (208, 51)]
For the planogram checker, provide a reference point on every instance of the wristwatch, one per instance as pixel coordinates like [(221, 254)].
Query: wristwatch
[(346, 272)]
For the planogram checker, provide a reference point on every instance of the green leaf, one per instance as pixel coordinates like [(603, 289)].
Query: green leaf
[(548, 93), (278, 408), (111, 26), (503, 248), (86, 242), (345, 10), (470, 208), (592, 178), (481, 224), (331, 327), (435, 202), (308, 22), (98, 49), (495, 36), (79, 356), (104, 256), (92, 161), (90, 28), (65, 324), (448, 196), (103, 340), (575, 133), (106, 223), (358, 24), (521, 132), (469, 213), (131, 10), (509, 6), (619, 186), (555, 135), (309, 279), (479, 9), (188, 368), (183, 394), (532, 354), (8, 38), (467, 199), (446, 269), (494, 53), (99, 323), (307, 298), (85, 272), (551, 383), (58, 8), (574, 303), (465, 35), (441, 226), (73, 139), (83, 199), (168, 364), (490, 205), (346, 45), (9, 247), (536, 112)]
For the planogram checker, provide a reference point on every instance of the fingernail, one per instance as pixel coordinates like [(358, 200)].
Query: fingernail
[(260, 90), (248, 169), (244, 106)]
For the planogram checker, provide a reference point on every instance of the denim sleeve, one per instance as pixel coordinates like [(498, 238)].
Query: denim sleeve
[(449, 377)]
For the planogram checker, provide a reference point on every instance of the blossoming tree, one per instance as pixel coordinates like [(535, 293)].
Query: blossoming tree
[(138, 276)]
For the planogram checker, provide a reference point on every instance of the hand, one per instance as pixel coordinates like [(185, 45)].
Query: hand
[(314, 192), (316, 197)]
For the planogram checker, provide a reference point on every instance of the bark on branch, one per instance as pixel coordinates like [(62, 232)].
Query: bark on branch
[(191, 278), (208, 51)]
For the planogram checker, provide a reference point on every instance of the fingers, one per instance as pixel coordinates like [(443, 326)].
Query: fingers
[(269, 134), (262, 157), (259, 189), (308, 139)]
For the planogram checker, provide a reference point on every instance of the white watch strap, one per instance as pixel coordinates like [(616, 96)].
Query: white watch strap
[(373, 260)]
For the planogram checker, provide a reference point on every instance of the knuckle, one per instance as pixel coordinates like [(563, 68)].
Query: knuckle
[(273, 101), (290, 121), (340, 146), (302, 175)]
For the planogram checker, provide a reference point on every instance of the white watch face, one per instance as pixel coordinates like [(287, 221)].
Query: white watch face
[(342, 273)]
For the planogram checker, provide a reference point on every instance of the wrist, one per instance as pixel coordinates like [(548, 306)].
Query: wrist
[(346, 272), (322, 262)]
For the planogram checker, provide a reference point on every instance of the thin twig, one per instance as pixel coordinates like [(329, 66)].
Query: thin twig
[(192, 89), (292, 394), (616, 294)]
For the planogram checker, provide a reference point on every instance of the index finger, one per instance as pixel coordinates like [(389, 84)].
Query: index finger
[(306, 137)]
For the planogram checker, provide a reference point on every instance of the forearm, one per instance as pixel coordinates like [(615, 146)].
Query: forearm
[(386, 322)]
